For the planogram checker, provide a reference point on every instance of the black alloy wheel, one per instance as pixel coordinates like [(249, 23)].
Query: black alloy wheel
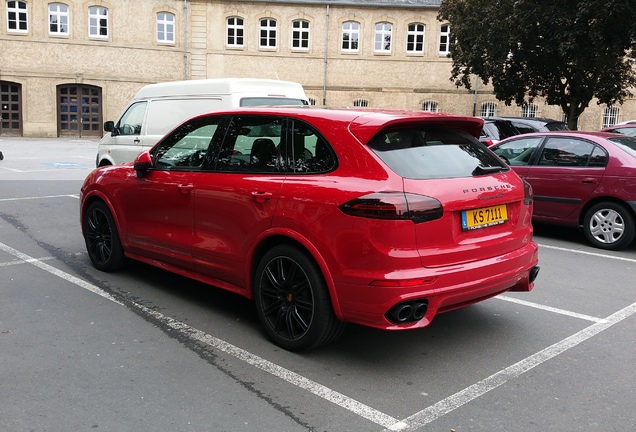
[(292, 300), (102, 239)]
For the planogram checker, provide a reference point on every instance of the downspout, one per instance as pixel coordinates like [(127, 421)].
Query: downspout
[(185, 39), (324, 79)]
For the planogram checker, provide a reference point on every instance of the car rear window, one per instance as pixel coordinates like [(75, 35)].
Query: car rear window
[(506, 129), (556, 126), (429, 153), (626, 143)]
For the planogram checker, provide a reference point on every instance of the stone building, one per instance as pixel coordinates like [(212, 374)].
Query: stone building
[(68, 65)]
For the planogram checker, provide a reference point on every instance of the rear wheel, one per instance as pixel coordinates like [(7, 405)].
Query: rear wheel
[(609, 225), (102, 239), (292, 300)]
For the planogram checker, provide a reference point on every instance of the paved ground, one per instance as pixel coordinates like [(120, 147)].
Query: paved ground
[(145, 350)]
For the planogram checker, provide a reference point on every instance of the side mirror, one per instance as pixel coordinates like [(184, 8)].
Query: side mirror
[(143, 162), (109, 126)]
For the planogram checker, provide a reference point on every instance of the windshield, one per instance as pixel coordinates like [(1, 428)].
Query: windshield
[(428, 153), (626, 143)]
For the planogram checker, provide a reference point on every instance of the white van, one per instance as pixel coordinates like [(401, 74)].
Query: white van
[(158, 108)]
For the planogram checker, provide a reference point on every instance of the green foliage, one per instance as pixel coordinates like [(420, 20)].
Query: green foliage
[(568, 52)]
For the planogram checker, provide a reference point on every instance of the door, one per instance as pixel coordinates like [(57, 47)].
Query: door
[(126, 139), (10, 109), (79, 109)]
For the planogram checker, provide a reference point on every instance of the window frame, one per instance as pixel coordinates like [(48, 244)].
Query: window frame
[(236, 27), (430, 106), (94, 14), (414, 33), (488, 109), (361, 103), (610, 116), (350, 41), (21, 15), (444, 39), (300, 34), (60, 14), (529, 110), (163, 25), (383, 29), (271, 33)]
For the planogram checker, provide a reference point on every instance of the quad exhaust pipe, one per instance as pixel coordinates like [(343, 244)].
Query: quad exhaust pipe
[(408, 311)]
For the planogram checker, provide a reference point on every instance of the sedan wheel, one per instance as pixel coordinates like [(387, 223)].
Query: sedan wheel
[(292, 300), (609, 226), (101, 237)]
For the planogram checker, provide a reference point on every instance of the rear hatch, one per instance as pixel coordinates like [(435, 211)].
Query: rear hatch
[(486, 211)]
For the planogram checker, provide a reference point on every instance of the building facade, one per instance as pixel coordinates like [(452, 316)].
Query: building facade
[(68, 65)]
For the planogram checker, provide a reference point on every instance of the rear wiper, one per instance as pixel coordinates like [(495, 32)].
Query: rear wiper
[(481, 170)]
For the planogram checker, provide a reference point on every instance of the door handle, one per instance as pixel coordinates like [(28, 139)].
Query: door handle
[(261, 197), (591, 180), (185, 188), (136, 140)]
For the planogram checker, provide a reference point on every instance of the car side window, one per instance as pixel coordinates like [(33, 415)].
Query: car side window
[(518, 152), (251, 144), (306, 151), (565, 151), (187, 147), (130, 123), (598, 157)]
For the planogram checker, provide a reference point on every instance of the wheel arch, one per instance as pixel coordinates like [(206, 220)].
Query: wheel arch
[(598, 200), (94, 197), (302, 243)]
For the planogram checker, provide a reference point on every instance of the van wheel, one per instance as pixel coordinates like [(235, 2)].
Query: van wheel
[(292, 300), (609, 226), (102, 239)]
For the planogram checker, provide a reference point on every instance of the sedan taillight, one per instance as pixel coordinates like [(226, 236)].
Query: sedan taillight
[(527, 193), (395, 206)]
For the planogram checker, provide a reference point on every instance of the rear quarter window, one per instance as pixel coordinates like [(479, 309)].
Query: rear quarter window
[(429, 153)]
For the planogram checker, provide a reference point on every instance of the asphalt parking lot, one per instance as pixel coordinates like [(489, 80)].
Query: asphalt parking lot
[(146, 350)]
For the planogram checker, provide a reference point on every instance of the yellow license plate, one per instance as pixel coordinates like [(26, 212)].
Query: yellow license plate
[(484, 217)]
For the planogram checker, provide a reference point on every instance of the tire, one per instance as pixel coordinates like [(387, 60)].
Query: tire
[(609, 226), (292, 300), (102, 239)]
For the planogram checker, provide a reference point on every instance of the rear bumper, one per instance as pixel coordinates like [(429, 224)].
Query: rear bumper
[(454, 287)]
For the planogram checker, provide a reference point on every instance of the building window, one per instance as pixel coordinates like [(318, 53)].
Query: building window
[(610, 116), (235, 32), (415, 38), (268, 33), (165, 27), (350, 36), (430, 106), (300, 35), (97, 22), (361, 103), (312, 101), (17, 18), (58, 19), (529, 110), (383, 32), (488, 109), (444, 39)]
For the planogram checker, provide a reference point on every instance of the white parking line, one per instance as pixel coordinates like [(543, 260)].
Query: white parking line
[(595, 254), (550, 309), (476, 390), (39, 197), (326, 393), (411, 423)]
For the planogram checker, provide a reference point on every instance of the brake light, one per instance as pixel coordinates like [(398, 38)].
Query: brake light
[(527, 193), (395, 206)]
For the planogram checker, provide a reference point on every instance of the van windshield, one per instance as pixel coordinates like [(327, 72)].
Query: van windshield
[(265, 101)]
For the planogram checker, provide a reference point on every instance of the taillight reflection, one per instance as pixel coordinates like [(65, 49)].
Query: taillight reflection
[(395, 206), (527, 193)]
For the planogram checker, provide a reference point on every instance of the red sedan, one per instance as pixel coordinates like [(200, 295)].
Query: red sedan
[(580, 179), (381, 218)]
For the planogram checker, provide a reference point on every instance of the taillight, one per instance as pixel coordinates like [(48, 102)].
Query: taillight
[(395, 206), (527, 193)]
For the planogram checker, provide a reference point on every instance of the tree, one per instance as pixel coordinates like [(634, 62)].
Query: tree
[(567, 52)]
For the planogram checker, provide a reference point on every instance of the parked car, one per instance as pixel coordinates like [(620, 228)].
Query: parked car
[(580, 179), (495, 129), (537, 124), (380, 218), (628, 129)]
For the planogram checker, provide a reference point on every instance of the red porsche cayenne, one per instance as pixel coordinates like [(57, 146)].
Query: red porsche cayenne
[(322, 216)]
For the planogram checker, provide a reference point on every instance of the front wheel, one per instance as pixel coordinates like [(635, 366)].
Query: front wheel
[(609, 226), (102, 239), (292, 300)]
